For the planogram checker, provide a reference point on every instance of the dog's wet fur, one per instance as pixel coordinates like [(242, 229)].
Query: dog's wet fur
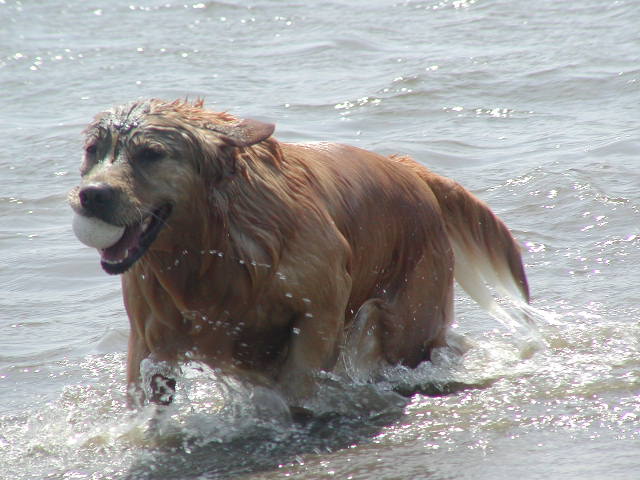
[(267, 259)]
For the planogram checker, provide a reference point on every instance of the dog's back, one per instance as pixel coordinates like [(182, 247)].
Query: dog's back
[(388, 216)]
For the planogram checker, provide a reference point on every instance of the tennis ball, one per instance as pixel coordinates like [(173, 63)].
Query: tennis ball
[(95, 233)]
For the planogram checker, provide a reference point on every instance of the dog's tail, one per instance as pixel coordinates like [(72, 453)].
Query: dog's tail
[(486, 254)]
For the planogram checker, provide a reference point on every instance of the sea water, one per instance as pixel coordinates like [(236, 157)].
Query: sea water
[(531, 105)]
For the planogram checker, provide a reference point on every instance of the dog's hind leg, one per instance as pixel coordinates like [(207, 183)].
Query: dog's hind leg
[(422, 308), (408, 322), (362, 355)]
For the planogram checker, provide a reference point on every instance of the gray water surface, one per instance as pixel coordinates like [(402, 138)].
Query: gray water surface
[(533, 105)]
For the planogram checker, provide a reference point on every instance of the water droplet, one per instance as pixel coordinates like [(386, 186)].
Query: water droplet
[(295, 331), (288, 295)]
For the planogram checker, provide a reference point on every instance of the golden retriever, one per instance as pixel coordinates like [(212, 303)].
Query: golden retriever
[(267, 259)]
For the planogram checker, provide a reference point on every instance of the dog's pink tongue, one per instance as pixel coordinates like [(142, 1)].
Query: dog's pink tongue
[(129, 241)]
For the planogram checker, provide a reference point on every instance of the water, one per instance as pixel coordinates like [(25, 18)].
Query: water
[(532, 105)]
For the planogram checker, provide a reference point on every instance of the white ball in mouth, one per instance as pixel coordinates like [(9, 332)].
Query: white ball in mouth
[(95, 233)]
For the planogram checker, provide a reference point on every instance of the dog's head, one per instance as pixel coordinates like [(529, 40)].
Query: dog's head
[(142, 162)]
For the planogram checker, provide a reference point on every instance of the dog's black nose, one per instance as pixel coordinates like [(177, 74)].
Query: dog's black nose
[(96, 196)]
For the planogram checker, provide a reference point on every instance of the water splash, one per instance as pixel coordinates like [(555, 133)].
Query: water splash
[(219, 426)]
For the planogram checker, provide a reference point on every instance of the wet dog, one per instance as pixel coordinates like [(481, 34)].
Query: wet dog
[(266, 259)]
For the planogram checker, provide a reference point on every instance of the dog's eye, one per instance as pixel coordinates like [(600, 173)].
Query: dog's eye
[(91, 149), (149, 154)]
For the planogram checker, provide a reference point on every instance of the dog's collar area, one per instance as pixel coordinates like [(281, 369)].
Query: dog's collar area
[(135, 241)]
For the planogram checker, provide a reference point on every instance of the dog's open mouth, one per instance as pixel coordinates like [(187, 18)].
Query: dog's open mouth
[(135, 241)]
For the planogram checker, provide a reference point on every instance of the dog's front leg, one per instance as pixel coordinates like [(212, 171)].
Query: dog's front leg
[(148, 376), (137, 352), (158, 380), (315, 343), (151, 359)]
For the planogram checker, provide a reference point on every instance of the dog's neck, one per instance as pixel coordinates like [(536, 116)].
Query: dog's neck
[(190, 270), (235, 240)]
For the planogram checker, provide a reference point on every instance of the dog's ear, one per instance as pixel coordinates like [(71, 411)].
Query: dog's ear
[(245, 133)]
